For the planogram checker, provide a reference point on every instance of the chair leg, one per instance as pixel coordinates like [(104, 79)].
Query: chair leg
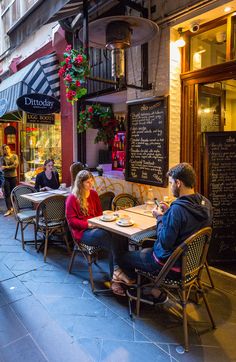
[(66, 241), (46, 246), (207, 306), (35, 237), (72, 260), (17, 227), (89, 258), (185, 320), (22, 236), (138, 295), (209, 275)]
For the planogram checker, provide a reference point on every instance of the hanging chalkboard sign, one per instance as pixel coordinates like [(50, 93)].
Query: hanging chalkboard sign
[(220, 188), (147, 142)]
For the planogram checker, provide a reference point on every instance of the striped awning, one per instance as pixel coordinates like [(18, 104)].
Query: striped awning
[(40, 76)]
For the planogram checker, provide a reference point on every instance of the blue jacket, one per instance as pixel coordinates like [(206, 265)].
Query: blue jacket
[(185, 216)]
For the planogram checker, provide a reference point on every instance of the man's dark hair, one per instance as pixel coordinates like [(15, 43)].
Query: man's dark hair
[(183, 172)]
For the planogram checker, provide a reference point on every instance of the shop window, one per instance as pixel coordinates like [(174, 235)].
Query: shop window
[(208, 48), (39, 142)]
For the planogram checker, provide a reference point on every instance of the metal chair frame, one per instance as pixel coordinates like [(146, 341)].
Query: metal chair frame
[(50, 219), (24, 211), (193, 252)]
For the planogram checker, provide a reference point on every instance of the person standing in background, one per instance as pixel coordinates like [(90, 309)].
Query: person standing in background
[(9, 167)]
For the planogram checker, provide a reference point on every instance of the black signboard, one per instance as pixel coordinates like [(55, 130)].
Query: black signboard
[(220, 187), (40, 118), (37, 103), (147, 142)]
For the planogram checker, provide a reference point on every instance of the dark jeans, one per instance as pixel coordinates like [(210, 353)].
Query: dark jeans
[(8, 186), (116, 245), (143, 260)]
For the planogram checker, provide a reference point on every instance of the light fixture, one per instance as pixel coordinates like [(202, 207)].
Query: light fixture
[(180, 43), (227, 9), (117, 33)]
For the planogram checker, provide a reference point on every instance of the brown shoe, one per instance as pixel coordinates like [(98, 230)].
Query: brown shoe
[(8, 213), (120, 277)]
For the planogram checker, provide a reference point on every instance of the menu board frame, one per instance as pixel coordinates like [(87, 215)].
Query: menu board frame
[(219, 187), (143, 106)]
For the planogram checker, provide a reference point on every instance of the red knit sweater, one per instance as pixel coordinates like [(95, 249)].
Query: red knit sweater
[(78, 221)]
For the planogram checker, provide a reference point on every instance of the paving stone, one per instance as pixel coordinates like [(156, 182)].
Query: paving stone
[(10, 326), (13, 290), (22, 350)]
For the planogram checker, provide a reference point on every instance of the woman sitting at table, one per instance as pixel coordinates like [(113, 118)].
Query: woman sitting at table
[(48, 179), (83, 204)]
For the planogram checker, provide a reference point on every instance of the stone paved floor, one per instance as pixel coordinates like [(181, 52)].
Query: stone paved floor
[(48, 315)]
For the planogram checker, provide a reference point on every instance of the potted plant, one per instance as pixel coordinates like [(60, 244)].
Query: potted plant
[(74, 70), (100, 117)]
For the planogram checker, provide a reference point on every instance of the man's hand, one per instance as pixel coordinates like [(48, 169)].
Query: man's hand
[(160, 210)]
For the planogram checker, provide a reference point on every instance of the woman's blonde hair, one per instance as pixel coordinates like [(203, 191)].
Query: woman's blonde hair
[(78, 189)]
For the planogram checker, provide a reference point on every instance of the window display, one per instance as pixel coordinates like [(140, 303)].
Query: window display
[(39, 142)]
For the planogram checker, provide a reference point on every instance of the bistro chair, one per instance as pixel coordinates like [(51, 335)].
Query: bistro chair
[(106, 200), (74, 169), (23, 210), (90, 254), (193, 252), (50, 219), (124, 201)]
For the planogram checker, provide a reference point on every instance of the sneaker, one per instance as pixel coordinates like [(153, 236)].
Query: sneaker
[(8, 213), (149, 298)]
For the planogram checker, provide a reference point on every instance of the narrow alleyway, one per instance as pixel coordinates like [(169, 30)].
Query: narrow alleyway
[(47, 314)]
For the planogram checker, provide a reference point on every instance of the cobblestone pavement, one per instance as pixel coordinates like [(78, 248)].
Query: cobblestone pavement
[(47, 314)]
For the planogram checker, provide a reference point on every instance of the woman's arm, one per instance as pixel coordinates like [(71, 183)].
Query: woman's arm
[(74, 215), (12, 163)]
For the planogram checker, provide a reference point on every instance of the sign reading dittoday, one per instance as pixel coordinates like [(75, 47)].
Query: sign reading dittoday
[(37, 103), (3, 106)]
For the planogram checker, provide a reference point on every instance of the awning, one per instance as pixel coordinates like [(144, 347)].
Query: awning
[(46, 12), (40, 76)]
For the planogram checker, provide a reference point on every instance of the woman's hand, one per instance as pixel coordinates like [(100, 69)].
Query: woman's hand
[(90, 226), (46, 188)]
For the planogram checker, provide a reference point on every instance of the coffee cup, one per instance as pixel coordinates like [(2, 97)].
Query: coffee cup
[(107, 215), (124, 219), (63, 186)]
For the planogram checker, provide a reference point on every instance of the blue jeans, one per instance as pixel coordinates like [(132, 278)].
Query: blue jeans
[(114, 244), (143, 260)]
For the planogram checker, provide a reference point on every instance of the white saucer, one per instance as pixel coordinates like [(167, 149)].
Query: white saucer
[(107, 220), (125, 224)]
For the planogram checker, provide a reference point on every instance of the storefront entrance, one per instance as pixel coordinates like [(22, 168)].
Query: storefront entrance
[(209, 109)]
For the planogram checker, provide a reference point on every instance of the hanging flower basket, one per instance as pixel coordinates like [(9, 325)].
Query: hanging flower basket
[(74, 70), (100, 117)]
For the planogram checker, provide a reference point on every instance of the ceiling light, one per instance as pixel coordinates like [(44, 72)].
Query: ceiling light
[(227, 9), (180, 43)]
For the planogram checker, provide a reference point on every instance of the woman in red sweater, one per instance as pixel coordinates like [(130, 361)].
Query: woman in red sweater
[(83, 204)]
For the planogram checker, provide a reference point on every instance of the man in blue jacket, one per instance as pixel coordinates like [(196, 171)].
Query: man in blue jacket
[(186, 215)]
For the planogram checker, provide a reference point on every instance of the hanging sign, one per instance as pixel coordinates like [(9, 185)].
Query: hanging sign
[(37, 103), (40, 118), (3, 106)]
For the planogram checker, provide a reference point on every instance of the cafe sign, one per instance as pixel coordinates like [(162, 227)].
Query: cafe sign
[(37, 103), (3, 106), (40, 118)]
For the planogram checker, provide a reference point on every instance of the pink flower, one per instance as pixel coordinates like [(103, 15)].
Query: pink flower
[(69, 66), (77, 83), (68, 78), (61, 71), (67, 60), (68, 48), (90, 109), (79, 59)]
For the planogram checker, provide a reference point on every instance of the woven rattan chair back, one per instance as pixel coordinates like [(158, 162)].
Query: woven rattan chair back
[(193, 253), (74, 169), (50, 219), (23, 210), (106, 200), (124, 201), (20, 203)]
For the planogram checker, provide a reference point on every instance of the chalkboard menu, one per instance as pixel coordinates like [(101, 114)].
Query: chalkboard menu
[(147, 146), (220, 187)]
